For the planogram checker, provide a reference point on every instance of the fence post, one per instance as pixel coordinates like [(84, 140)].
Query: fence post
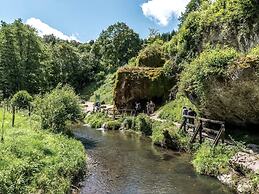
[(223, 133), (201, 127), (13, 115)]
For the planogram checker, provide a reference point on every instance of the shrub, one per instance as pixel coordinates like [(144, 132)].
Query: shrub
[(96, 120), (210, 64), (113, 125), (37, 161), (158, 129), (213, 161), (143, 124), (58, 107), (128, 123), (151, 55), (21, 100)]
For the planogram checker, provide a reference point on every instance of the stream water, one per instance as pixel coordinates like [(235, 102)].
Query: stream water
[(125, 163)]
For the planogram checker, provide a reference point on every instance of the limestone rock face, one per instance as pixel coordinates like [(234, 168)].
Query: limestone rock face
[(234, 99), (141, 85)]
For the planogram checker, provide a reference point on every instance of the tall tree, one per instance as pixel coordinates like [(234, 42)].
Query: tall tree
[(9, 81), (116, 45)]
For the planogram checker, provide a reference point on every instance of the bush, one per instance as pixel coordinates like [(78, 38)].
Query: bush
[(151, 55), (21, 100), (213, 161), (96, 120), (128, 123), (158, 129), (57, 108), (143, 124), (36, 161), (210, 63), (113, 125)]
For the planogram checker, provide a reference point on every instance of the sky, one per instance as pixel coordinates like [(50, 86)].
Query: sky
[(84, 20)]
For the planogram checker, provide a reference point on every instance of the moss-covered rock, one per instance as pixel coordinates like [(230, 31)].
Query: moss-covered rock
[(224, 87), (152, 55), (140, 85)]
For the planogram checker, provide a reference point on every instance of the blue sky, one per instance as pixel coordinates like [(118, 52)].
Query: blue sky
[(85, 19)]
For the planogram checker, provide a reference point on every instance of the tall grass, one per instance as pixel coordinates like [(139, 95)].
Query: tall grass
[(37, 161)]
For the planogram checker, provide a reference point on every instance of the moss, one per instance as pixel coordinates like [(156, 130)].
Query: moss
[(152, 55), (137, 84)]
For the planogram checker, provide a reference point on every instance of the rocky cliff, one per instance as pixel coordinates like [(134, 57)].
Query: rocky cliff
[(141, 85)]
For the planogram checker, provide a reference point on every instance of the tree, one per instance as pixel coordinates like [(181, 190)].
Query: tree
[(58, 107), (65, 67), (9, 80), (116, 45), (20, 58)]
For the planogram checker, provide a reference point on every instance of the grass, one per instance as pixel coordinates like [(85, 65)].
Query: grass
[(173, 110), (96, 120), (105, 90), (213, 161), (37, 161)]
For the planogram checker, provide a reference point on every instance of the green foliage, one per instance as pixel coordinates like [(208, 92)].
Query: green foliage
[(20, 58), (96, 120), (254, 52), (220, 22), (105, 90), (57, 108), (152, 55), (213, 161), (128, 123), (113, 125), (158, 129), (117, 45), (21, 99), (173, 110), (143, 124), (210, 63), (36, 161)]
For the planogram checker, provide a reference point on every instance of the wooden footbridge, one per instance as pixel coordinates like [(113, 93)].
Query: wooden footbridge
[(202, 129), (199, 128)]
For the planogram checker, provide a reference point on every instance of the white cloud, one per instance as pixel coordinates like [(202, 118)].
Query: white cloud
[(45, 29), (163, 10)]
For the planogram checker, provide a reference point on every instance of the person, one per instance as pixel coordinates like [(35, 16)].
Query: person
[(148, 108), (152, 107), (191, 113), (97, 106), (171, 95), (137, 107), (185, 111)]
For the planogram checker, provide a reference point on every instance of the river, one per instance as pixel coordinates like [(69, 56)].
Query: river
[(125, 163)]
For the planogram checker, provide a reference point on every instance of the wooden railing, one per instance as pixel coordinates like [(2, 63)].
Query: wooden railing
[(200, 129)]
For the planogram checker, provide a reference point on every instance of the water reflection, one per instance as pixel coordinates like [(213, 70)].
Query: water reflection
[(122, 162)]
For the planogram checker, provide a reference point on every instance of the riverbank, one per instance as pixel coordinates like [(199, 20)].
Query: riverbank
[(217, 162), (125, 162), (37, 161)]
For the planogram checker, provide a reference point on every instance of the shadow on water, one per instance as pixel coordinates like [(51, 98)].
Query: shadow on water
[(121, 162), (88, 143)]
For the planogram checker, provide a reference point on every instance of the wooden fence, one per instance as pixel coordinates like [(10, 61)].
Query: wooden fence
[(199, 129)]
